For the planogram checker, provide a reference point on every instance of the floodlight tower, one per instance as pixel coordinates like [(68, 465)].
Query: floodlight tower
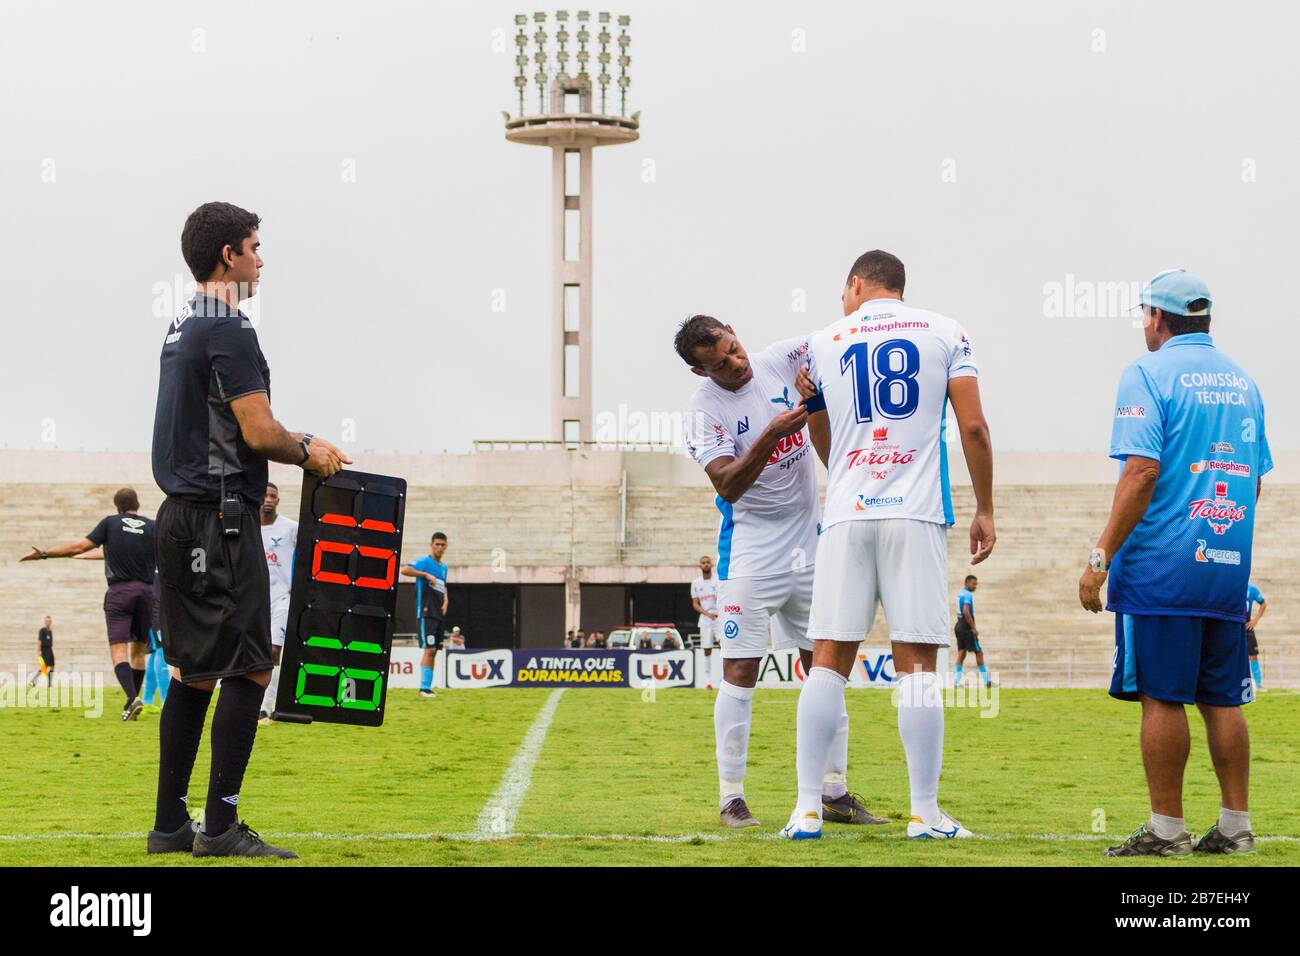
[(568, 121)]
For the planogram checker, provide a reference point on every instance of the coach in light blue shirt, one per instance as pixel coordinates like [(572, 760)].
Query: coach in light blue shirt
[(1189, 430)]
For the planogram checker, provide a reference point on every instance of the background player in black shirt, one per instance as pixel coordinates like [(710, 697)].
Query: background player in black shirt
[(213, 435), (127, 540), (45, 646)]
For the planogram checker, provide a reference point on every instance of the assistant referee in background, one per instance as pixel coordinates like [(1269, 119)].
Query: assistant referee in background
[(213, 434)]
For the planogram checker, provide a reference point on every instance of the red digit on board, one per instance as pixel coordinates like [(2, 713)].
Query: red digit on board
[(329, 577), (386, 582)]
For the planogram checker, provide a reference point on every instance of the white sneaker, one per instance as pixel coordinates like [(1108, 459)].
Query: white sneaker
[(946, 829), (806, 825)]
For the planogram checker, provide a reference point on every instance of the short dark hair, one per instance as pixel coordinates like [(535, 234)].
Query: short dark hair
[(211, 228), (272, 484), (880, 268), (125, 499), (1186, 324), (697, 331), (970, 578), (438, 536)]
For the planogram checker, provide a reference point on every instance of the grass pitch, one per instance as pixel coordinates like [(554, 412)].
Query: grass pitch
[(620, 781)]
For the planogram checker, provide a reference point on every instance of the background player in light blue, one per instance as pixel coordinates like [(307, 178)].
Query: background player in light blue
[(1189, 429), (967, 633), (1255, 608), (430, 605)]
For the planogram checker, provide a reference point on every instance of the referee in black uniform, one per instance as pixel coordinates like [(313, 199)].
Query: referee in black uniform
[(127, 540), (213, 435)]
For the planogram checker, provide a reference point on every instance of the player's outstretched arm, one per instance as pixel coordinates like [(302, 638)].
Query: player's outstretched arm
[(732, 477), (977, 446), (272, 440), (1133, 493), (70, 550)]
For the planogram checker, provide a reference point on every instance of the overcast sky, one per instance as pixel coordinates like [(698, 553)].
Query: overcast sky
[(1025, 160)]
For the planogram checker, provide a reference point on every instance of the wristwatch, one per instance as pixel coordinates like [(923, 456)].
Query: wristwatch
[(305, 445), (1098, 561)]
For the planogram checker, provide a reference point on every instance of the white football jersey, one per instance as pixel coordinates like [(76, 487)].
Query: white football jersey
[(772, 529), (706, 592), (884, 371), (279, 539)]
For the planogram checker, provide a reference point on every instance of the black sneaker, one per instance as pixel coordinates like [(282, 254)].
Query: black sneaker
[(239, 840), (1216, 841), (182, 841), (849, 808), (1142, 842), (132, 709)]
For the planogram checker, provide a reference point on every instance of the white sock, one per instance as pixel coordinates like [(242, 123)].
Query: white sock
[(1168, 827), (273, 688), (1233, 822), (920, 727), (821, 704), (732, 711), (834, 784)]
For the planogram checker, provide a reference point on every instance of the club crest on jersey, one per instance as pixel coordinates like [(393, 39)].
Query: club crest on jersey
[(783, 398), (1219, 513), (742, 426)]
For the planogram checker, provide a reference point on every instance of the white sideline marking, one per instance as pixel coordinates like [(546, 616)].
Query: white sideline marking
[(497, 819), (614, 837)]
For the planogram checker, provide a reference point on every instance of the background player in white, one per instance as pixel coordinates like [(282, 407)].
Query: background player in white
[(279, 540), (745, 426), (704, 598), (887, 372)]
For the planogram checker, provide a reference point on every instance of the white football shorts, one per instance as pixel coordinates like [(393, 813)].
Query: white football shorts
[(758, 614), (710, 630), (279, 618), (902, 563)]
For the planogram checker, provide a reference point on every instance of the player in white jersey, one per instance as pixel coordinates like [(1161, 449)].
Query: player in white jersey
[(279, 539), (887, 372), (704, 599), (745, 426)]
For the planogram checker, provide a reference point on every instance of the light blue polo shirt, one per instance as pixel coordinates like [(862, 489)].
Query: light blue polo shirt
[(1200, 415)]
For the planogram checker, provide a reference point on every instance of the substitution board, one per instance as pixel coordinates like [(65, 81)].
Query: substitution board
[(339, 635)]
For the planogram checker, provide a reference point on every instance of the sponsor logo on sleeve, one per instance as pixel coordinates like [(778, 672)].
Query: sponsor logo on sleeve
[(1131, 411)]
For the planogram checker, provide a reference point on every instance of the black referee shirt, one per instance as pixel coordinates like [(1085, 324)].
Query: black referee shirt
[(46, 637), (128, 542), (210, 357)]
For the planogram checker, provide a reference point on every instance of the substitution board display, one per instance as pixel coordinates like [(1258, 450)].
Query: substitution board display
[(339, 634)]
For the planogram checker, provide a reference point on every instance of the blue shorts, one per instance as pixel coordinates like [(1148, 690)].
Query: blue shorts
[(1183, 660)]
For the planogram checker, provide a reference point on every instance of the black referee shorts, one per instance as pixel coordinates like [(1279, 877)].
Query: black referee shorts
[(216, 595)]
